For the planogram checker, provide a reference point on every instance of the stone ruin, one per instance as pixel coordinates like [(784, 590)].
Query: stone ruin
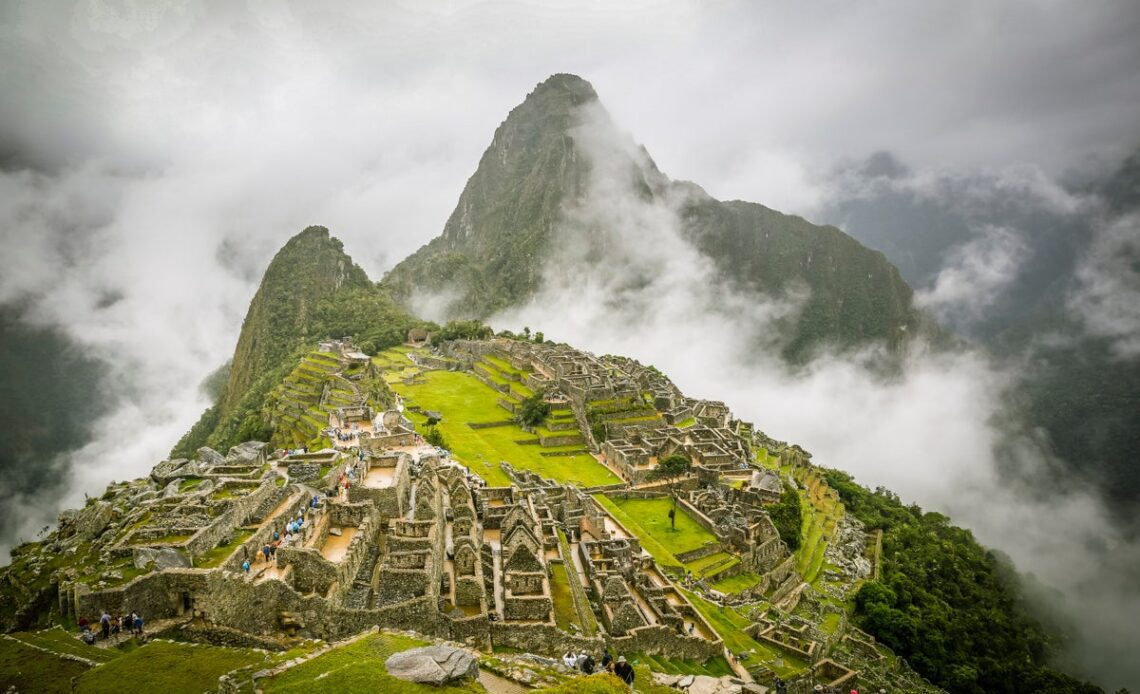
[(419, 542)]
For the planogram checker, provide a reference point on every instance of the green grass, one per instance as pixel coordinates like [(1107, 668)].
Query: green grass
[(717, 560), (635, 420), (713, 667), (739, 582), (502, 364), (577, 590), (686, 423), (58, 640), (217, 555), (830, 623), (462, 398), (29, 670), (653, 518), (660, 553), (821, 513), (170, 668), (358, 667), (188, 484), (730, 625), (564, 612)]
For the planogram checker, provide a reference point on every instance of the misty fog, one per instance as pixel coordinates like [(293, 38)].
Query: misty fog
[(158, 155)]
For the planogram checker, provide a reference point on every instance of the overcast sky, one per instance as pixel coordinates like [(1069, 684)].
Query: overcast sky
[(154, 155)]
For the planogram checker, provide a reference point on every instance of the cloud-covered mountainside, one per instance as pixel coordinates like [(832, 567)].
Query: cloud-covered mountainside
[(574, 231), (1044, 274), (560, 179), (621, 269)]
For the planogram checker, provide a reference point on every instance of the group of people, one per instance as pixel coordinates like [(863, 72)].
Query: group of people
[(584, 662), (110, 626), (345, 436), (292, 527), (346, 479)]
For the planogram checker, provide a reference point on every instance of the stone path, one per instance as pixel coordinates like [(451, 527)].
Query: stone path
[(495, 684)]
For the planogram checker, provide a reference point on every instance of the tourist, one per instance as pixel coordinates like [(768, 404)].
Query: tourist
[(138, 625), (607, 661), (114, 626), (587, 664), (624, 671), (245, 566), (265, 550), (88, 636), (569, 659), (692, 626), (276, 536), (273, 548), (105, 625)]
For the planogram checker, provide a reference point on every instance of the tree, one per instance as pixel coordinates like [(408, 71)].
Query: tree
[(435, 437), (676, 465), (526, 332), (534, 410), (538, 337), (787, 516)]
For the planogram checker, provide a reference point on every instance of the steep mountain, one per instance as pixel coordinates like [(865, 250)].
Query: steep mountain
[(545, 159), (310, 267), (310, 290)]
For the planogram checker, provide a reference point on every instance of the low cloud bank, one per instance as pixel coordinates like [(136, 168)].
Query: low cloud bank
[(937, 434)]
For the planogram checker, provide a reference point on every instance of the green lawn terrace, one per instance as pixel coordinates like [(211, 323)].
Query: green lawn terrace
[(55, 660), (690, 547), (356, 666), (479, 428)]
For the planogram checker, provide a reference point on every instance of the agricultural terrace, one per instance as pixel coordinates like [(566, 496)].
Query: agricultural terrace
[(731, 625), (648, 519), (463, 399)]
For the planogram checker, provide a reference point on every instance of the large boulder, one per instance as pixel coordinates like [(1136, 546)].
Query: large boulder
[(164, 558), (245, 453), (433, 665), (210, 457), (93, 519)]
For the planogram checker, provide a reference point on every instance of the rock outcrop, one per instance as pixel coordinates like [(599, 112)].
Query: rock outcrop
[(433, 665)]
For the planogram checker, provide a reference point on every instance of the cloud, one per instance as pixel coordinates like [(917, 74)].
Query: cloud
[(1106, 298), (159, 153), (975, 275), (938, 434)]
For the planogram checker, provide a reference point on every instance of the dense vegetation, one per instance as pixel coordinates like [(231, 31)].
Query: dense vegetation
[(947, 604), (533, 410), (311, 290), (856, 294), (461, 330), (787, 516)]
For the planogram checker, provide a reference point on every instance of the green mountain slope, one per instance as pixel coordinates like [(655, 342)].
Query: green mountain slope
[(311, 290), (506, 227)]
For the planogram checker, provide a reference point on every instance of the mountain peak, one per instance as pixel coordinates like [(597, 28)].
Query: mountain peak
[(564, 84)]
